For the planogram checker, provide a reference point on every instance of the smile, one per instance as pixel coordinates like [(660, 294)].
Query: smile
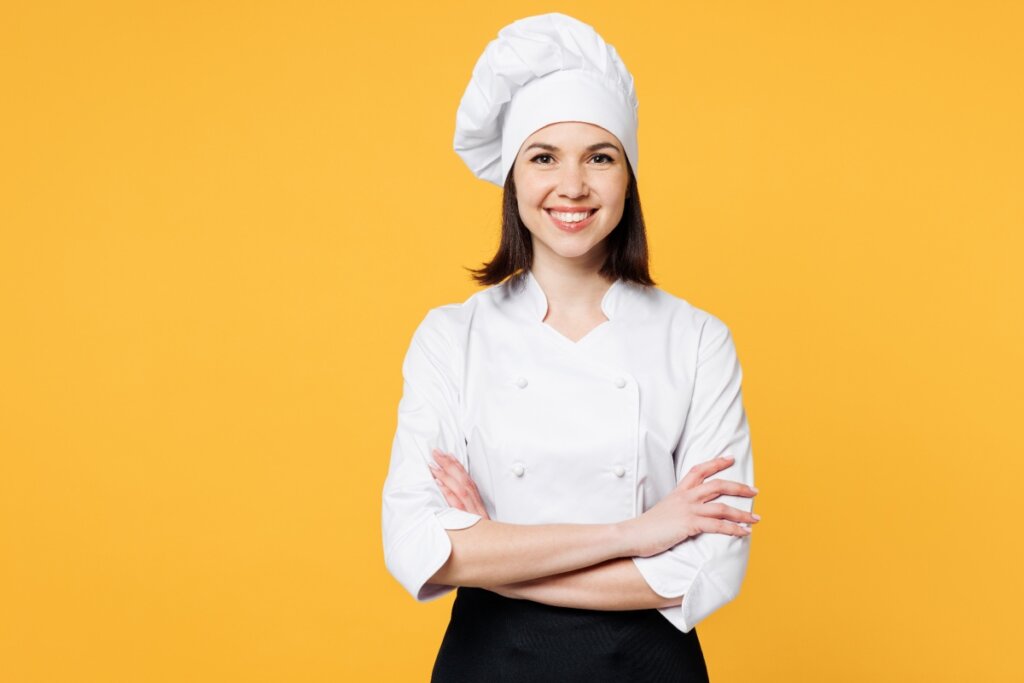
[(573, 221)]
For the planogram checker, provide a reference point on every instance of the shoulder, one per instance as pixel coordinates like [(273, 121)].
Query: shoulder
[(679, 311), (447, 325), (691, 325)]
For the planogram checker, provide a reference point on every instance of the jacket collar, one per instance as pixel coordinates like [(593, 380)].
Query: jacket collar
[(536, 302)]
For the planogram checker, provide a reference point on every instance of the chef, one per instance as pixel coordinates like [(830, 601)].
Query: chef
[(557, 454)]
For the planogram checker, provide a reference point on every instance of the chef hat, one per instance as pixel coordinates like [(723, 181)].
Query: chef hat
[(542, 70)]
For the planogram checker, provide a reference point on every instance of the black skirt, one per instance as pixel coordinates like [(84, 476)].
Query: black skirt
[(491, 638)]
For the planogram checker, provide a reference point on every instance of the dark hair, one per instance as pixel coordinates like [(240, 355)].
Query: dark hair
[(627, 242)]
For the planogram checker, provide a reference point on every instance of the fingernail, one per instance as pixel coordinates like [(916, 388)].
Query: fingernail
[(434, 465), (754, 489), (755, 515)]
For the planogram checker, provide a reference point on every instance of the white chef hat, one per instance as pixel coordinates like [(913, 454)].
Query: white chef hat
[(542, 70)]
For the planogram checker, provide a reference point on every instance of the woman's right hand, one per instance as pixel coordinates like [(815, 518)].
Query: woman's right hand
[(686, 512)]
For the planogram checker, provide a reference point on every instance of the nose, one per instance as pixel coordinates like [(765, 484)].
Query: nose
[(572, 182)]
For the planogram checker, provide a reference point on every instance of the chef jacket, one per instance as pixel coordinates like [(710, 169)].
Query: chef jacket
[(556, 431)]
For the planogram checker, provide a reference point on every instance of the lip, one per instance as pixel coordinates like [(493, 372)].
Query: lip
[(570, 227), (570, 209)]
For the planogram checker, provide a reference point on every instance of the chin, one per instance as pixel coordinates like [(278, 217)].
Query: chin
[(570, 248)]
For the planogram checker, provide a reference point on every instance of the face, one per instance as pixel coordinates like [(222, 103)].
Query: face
[(566, 172)]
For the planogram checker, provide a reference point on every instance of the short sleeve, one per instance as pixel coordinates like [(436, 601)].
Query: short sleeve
[(415, 513), (708, 569)]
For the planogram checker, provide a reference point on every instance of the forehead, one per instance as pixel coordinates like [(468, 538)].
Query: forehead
[(569, 134)]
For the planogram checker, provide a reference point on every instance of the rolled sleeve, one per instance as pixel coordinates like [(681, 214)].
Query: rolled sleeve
[(708, 569), (415, 514)]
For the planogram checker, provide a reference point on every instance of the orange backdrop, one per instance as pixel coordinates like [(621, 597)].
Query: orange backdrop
[(221, 221)]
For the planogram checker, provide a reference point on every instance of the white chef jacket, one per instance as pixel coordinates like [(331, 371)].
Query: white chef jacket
[(556, 431)]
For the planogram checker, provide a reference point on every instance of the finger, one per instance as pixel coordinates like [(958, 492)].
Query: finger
[(463, 477), (703, 470), (710, 490), (440, 475), (447, 466), (439, 457), (460, 483), (472, 497), (448, 475), (449, 462), (478, 501), (719, 526), (463, 483), (723, 511), (452, 499), (449, 490)]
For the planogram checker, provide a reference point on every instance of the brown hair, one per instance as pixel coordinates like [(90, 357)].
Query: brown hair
[(627, 242)]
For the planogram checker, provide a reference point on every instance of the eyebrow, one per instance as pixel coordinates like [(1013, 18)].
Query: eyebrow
[(592, 148)]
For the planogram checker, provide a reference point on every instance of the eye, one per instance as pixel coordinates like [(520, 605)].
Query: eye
[(541, 156), (609, 158)]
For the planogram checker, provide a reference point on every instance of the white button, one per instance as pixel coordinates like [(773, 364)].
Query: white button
[(521, 382), (620, 382), (518, 469), (619, 470)]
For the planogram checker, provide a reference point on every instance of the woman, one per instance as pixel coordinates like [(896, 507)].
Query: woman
[(556, 456)]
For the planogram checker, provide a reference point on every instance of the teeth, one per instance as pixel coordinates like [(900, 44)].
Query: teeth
[(570, 217)]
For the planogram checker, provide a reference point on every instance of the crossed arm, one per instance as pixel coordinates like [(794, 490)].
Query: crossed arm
[(611, 585), (568, 565)]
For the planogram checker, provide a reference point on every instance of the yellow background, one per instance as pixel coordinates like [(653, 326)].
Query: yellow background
[(222, 221)]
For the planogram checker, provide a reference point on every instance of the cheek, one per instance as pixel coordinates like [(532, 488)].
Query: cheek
[(527, 209), (615, 189), (528, 214), (530, 200), (530, 194)]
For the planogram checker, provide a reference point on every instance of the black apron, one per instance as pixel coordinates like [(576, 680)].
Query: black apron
[(494, 639)]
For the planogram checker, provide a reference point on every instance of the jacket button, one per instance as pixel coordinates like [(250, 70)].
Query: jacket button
[(521, 382), (619, 470), (518, 469), (620, 382)]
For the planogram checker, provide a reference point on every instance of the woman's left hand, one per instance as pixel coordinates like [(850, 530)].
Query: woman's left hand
[(459, 490)]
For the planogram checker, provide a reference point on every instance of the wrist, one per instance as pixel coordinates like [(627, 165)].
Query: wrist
[(620, 536), (517, 591)]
